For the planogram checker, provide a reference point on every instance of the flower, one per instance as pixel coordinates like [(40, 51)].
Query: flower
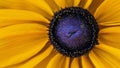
[(24, 41)]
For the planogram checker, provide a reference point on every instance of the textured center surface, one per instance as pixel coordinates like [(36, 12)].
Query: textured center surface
[(72, 32)]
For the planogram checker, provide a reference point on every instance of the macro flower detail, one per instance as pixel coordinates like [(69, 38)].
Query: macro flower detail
[(59, 34), (73, 31)]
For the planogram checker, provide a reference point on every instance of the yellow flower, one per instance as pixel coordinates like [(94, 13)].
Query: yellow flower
[(24, 41)]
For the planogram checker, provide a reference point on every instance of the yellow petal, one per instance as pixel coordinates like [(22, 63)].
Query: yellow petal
[(69, 3), (94, 5), (87, 4), (61, 3), (25, 5), (103, 60), (82, 3), (96, 61), (16, 4), (53, 5), (67, 62), (86, 62), (14, 14), (110, 14), (76, 2), (109, 24), (110, 50), (56, 61), (37, 59), (109, 55), (10, 16), (42, 4), (110, 36), (75, 63), (111, 30), (44, 62), (18, 49), (19, 29)]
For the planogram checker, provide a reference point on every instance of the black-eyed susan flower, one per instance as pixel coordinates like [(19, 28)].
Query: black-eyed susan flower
[(59, 33)]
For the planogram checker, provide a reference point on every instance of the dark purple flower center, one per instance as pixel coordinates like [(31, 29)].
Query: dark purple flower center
[(73, 31)]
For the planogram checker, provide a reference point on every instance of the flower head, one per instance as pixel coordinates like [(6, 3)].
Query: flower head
[(59, 34)]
